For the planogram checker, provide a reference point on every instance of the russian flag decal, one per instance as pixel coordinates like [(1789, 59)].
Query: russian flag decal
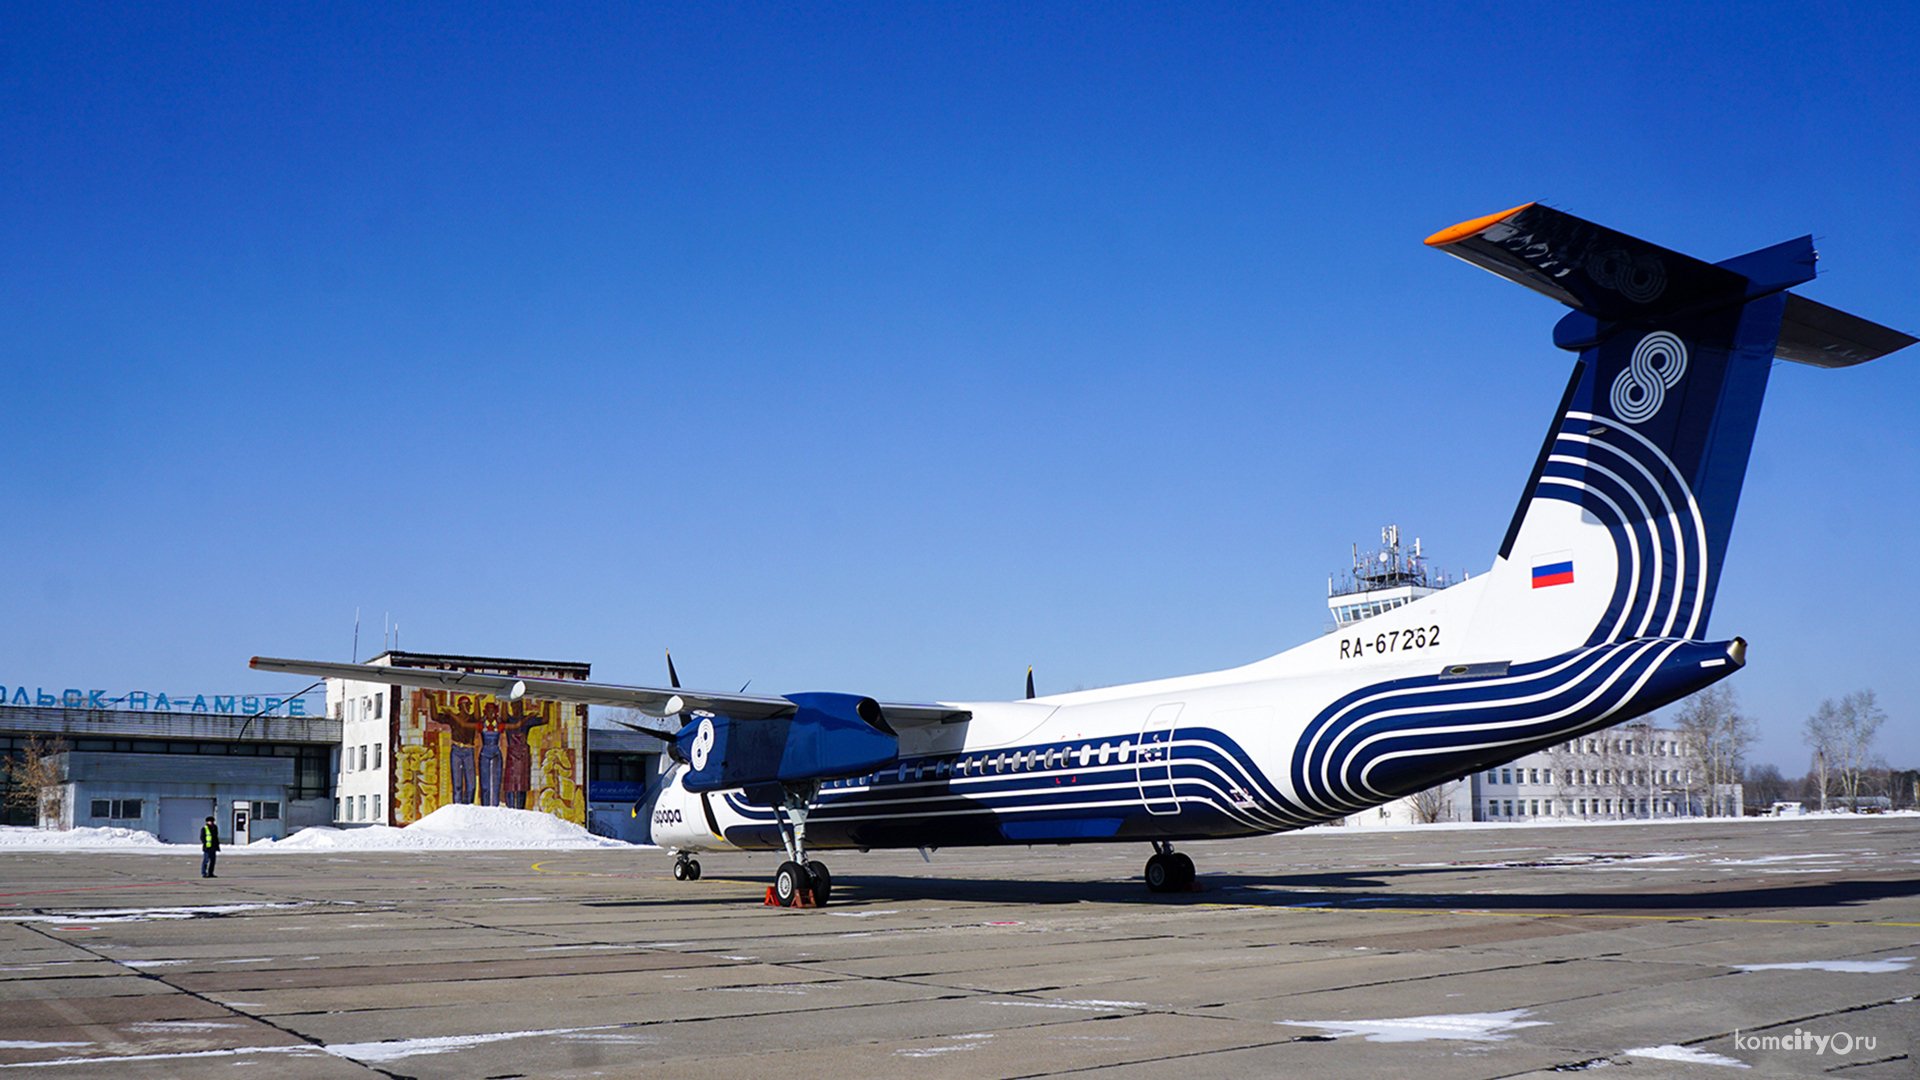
[(1556, 569)]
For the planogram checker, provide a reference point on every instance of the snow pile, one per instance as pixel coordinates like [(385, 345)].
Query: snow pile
[(84, 838), (1849, 967), (1470, 1027), (1670, 1052), (450, 828)]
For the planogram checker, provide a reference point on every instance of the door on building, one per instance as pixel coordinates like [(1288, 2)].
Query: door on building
[(180, 819)]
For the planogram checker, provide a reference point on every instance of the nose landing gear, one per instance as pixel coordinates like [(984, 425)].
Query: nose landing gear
[(685, 867)]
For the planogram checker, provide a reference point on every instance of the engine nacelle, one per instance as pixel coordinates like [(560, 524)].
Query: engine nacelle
[(828, 736)]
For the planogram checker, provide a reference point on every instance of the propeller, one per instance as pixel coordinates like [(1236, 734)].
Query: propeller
[(1029, 681)]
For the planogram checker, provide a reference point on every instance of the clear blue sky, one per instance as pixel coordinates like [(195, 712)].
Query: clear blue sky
[(889, 349)]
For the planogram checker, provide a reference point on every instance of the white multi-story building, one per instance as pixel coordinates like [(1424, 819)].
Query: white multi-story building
[(1633, 772), (363, 784)]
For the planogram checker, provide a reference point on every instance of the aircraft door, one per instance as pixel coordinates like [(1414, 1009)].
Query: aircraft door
[(1154, 762)]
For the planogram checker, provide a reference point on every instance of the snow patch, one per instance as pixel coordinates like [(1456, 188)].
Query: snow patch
[(1670, 1052), (396, 1049), (121, 915), (29, 1044), (1850, 967), (84, 838), (238, 1051), (960, 1043), (1471, 1027)]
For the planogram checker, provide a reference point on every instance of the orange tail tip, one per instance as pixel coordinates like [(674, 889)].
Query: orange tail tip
[(1468, 228)]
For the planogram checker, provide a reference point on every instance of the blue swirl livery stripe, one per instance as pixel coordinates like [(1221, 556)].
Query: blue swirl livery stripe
[(1399, 737)]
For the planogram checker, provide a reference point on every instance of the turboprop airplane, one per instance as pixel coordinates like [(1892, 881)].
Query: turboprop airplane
[(1595, 612)]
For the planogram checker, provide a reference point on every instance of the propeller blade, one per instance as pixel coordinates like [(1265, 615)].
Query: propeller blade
[(663, 736), (672, 675), (1029, 680)]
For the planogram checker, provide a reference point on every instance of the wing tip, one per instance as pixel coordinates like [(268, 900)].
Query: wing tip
[(1456, 233)]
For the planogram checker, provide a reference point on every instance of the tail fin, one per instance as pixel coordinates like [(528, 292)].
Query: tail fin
[(1624, 525)]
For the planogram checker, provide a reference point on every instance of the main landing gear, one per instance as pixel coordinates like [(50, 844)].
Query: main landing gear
[(800, 882), (1168, 870), (685, 867)]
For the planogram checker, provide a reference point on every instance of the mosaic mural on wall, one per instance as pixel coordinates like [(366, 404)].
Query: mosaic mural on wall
[(457, 749)]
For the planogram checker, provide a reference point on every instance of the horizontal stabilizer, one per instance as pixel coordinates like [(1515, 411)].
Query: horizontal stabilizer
[(1590, 268), (1610, 278), (1813, 333)]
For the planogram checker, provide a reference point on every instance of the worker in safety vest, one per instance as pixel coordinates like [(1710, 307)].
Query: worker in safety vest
[(209, 847)]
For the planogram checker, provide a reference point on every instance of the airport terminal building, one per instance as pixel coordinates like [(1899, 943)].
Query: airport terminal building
[(163, 770)]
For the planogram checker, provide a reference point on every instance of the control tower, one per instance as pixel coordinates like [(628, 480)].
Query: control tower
[(1382, 580)]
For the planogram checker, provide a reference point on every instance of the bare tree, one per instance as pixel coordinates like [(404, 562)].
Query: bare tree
[(1765, 786), (1842, 735), (34, 781), (1714, 729), (1435, 804)]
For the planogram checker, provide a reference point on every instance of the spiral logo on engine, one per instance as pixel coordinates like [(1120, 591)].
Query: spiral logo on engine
[(1656, 367), (702, 744)]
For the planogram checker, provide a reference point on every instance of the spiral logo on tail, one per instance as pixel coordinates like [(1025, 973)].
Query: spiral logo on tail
[(1657, 365)]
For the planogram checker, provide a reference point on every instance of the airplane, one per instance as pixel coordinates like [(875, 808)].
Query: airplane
[(1595, 611)]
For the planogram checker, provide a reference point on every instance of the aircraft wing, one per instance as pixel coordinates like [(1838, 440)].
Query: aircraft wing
[(647, 699)]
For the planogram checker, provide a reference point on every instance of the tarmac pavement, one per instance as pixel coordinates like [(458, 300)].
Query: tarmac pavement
[(1486, 952)]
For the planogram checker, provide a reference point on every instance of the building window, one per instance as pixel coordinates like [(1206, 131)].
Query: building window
[(116, 809), (102, 808), (1506, 776), (376, 808), (380, 706), (376, 755), (336, 808), (267, 811)]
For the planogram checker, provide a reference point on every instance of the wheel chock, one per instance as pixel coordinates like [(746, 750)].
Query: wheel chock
[(805, 899)]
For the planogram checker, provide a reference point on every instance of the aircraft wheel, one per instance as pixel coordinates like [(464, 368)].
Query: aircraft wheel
[(1160, 874), (1182, 870), (822, 882), (679, 871), (693, 869), (787, 883)]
